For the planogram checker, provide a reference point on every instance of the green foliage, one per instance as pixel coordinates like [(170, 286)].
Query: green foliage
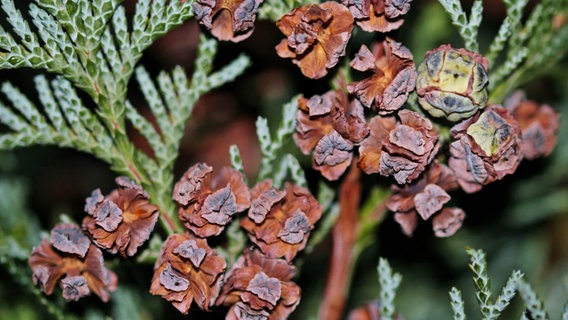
[(78, 39), (91, 47), (457, 304), (126, 302), (289, 164), (236, 161), (17, 235), (271, 148), (389, 282), (19, 232), (532, 47), (488, 309), (171, 103), (468, 28), (68, 124), (510, 24), (520, 51), (535, 307)]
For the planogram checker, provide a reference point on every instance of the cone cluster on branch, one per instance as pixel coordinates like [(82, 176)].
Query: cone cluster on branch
[(448, 138)]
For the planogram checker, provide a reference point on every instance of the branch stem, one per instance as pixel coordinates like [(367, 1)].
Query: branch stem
[(344, 236), (354, 230)]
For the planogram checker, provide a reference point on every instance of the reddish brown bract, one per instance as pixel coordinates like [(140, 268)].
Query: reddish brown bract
[(394, 76), (425, 197), (378, 15), (289, 217), (316, 37), (399, 149), (332, 125), (123, 220), (539, 125), (208, 202), (187, 270), (83, 271), (227, 19), (259, 286), (486, 148)]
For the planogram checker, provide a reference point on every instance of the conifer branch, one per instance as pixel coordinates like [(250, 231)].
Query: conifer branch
[(389, 281), (531, 49), (270, 148), (468, 28), (509, 25), (457, 304)]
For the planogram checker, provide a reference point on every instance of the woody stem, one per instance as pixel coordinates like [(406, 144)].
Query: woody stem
[(353, 232), (344, 236)]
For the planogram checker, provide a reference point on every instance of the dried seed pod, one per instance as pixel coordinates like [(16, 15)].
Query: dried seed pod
[(74, 288), (227, 20), (378, 15), (452, 83), (401, 149), (81, 273), (486, 148), (332, 125), (316, 36), (394, 76), (259, 287), (425, 197), (208, 201), (447, 222), (123, 220), (290, 216), (539, 125), (69, 238), (187, 271), (332, 155)]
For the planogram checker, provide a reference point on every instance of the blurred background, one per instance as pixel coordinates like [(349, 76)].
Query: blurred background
[(521, 222)]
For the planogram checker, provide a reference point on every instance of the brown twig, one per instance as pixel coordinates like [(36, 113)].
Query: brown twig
[(344, 236)]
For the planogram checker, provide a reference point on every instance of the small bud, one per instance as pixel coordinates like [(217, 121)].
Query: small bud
[(452, 83)]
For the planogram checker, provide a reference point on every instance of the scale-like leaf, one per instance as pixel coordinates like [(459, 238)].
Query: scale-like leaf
[(389, 282), (270, 148), (467, 29), (457, 304)]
